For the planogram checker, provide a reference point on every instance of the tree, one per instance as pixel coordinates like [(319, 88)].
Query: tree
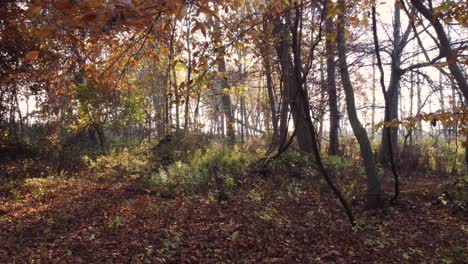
[(391, 94), (292, 80), (374, 191), (333, 148)]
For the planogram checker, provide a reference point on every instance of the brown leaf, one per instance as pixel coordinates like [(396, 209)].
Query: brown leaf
[(32, 55)]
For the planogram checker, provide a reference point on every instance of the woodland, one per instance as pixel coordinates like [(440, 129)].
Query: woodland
[(233, 131)]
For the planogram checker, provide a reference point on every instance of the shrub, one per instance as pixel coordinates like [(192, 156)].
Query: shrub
[(194, 172), (291, 164), (125, 163), (177, 146)]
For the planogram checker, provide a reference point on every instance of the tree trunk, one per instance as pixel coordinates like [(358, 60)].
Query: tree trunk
[(283, 126), (174, 76), (393, 92), (292, 89), (374, 191), (226, 103), (189, 70), (373, 97), (333, 148)]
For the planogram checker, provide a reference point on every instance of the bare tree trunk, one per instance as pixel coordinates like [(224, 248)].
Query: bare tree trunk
[(292, 88), (266, 59), (374, 191), (174, 75), (227, 105), (393, 90), (322, 106), (271, 97), (396, 74), (20, 118), (419, 105), (373, 97), (442, 106), (333, 148), (283, 128), (189, 70), (411, 105)]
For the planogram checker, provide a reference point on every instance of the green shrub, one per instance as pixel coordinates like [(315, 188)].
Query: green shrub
[(194, 173), (122, 164), (177, 146)]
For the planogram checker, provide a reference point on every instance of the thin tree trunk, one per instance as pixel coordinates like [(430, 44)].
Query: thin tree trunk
[(373, 97), (174, 75), (189, 70), (393, 91), (333, 148), (374, 191), (227, 105)]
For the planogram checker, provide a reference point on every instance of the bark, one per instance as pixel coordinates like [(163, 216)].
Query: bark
[(174, 76), (265, 48), (373, 98), (292, 88), (418, 103), (333, 148), (393, 90), (227, 105), (189, 70), (394, 87), (283, 128), (374, 191)]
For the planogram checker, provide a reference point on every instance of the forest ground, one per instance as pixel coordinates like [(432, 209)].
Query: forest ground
[(97, 220)]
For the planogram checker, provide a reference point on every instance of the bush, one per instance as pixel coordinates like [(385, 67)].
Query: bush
[(291, 164), (177, 146), (125, 163), (430, 157), (194, 173)]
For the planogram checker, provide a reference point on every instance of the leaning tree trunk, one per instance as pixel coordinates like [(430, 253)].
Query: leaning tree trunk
[(374, 191)]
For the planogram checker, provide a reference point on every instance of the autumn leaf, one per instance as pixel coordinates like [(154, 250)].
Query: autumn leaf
[(201, 27), (62, 4), (44, 31), (33, 9), (32, 55), (181, 12)]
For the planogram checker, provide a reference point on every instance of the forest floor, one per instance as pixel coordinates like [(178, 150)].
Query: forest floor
[(88, 220)]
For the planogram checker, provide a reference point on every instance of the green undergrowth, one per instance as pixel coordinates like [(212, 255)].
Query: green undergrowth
[(213, 166)]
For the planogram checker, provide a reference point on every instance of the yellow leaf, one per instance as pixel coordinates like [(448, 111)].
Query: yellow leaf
[(239, 46)]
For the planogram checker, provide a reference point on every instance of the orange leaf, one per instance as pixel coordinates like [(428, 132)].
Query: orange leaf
[(32, 55)]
